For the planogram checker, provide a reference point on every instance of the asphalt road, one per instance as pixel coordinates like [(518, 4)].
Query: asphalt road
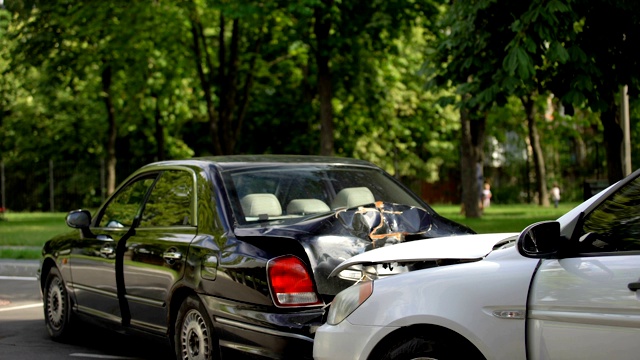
[(23, 334)]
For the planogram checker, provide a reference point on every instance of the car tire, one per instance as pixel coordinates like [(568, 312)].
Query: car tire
[(194, 338), (57, 307), (426, 348)]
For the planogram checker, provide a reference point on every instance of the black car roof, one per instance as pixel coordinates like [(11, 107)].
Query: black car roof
[(239, 161)]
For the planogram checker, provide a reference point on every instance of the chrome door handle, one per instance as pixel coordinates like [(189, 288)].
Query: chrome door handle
[(106, 250), (172, 255)]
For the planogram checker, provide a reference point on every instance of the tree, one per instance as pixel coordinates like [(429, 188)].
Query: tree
[(582, 51), (538, 156), (136, 82), (469, 58), (400, 126), (107, 50), (322, 30), (602, 56)]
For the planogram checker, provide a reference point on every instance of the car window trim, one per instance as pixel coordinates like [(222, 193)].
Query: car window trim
[(160, 169)]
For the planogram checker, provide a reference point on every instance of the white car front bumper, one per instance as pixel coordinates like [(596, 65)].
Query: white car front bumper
[(347, 341)]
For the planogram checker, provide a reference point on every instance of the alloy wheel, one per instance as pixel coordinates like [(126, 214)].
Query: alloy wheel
[(56, 303), (194, 337)]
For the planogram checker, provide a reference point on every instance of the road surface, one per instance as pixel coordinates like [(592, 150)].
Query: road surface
[(23, 334)]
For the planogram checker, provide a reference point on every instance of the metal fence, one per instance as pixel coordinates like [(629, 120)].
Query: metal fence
[(54, 185)]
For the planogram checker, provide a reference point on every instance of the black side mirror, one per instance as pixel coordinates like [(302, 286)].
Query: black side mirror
[(540, 240), (79, 219)]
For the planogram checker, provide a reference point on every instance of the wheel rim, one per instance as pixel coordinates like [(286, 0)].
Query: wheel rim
[(194, 337), (56, 303)]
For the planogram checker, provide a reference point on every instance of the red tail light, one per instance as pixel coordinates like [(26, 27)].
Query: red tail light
[(291, 283)]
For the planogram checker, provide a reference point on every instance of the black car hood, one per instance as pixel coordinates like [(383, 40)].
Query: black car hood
[(330, 239)]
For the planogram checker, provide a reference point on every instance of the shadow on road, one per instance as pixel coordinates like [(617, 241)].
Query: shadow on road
[(28, 339), (99, 340)]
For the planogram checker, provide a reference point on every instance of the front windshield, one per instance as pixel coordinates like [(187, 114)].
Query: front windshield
[(290, 194)]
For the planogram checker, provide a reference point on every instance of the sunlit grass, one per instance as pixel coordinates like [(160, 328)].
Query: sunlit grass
[(505, 218), (30, 229), (30, 253)]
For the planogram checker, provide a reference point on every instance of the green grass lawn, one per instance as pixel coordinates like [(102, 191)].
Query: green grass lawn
[(23, 234), (505, 218)]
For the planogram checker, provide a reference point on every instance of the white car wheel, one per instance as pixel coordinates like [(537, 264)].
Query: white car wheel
[(427, 348)]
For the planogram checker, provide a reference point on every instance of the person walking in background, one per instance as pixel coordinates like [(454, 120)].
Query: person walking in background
[(555, 194), (486, 196)]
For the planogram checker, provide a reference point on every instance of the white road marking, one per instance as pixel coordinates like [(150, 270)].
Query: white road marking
[(98, 356), (30, 278), (21, 307)]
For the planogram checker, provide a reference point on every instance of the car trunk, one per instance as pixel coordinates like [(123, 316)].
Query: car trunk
[(331, 238)]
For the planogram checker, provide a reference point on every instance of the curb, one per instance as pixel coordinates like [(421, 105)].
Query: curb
[(19, 268)]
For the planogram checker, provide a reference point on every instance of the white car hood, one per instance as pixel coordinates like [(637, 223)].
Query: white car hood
[(448, 247)]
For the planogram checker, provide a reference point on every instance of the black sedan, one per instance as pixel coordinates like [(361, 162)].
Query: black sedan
[(227, 255)]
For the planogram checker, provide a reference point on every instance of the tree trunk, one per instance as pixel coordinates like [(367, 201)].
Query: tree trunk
[(248, 84), (201, 55), (581, 151), (612, 143), (112, 131), (472, 155), (538, 156), (228, 71), (225, 124), (322, 29), (159, 130)]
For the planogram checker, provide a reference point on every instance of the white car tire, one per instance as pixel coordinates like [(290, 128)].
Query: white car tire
[(427, 347)]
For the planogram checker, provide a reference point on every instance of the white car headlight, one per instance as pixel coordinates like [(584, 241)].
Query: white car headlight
[(348, 301)]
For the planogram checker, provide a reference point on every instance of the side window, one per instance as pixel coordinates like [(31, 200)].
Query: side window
[(124, 206), (170, 202), (615, 224)]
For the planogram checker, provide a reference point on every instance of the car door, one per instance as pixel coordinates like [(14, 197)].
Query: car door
[(94, 258), (155, 255), (588, 306)]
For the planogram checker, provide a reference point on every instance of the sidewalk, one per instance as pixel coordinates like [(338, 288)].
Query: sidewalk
[(19, 268)]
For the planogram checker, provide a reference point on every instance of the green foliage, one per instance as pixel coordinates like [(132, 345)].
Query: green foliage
[(64, 67), (402, 128), (582, 51), (382, 112), (60, 51), (53, 55)]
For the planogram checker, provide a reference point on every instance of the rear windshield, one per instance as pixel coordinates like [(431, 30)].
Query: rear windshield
[(291, 194)]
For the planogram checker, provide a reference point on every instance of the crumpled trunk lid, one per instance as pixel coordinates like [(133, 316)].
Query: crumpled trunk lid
[(330, 239)]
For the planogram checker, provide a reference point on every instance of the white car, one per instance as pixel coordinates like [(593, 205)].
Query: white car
[(564, 289)]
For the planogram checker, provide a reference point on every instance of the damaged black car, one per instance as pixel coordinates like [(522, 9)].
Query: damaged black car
[(223, 256)]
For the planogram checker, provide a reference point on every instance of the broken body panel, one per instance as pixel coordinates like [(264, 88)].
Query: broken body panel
[(330, 239)]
